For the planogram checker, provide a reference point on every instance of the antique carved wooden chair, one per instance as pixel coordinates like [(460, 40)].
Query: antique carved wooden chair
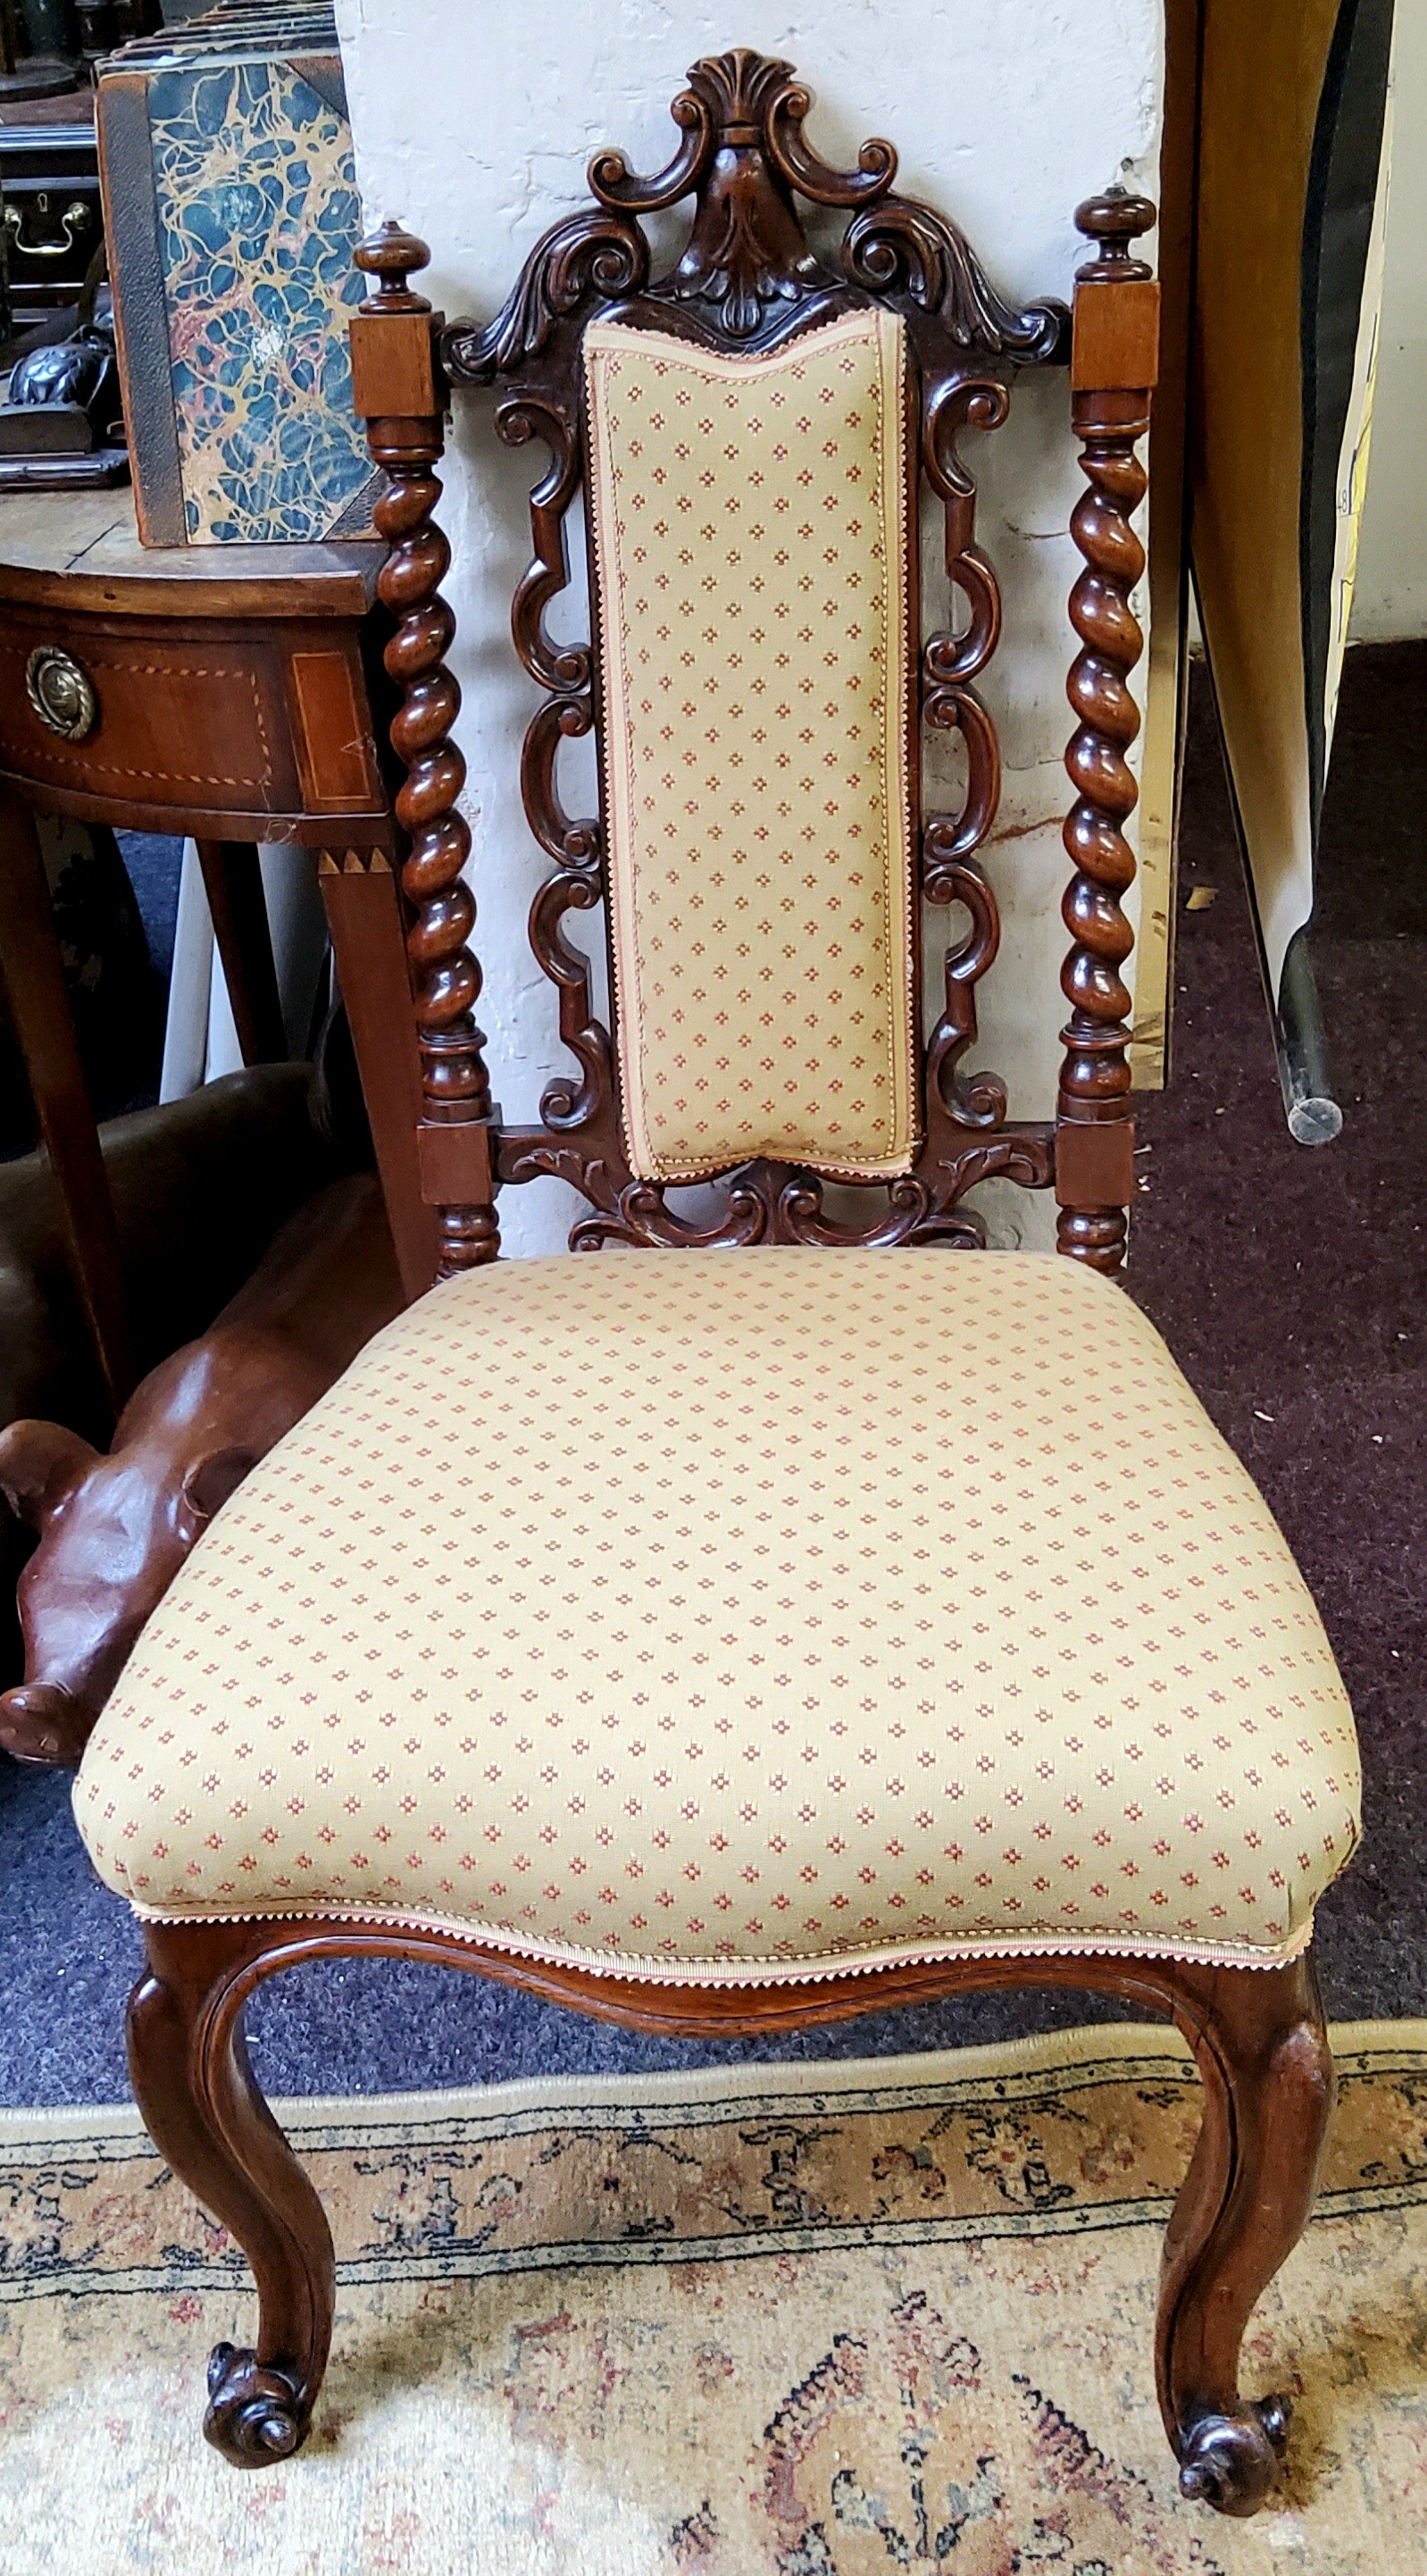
[(744, 1639)]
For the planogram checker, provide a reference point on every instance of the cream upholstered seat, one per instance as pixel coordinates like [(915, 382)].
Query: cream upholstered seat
[(732, 1615)]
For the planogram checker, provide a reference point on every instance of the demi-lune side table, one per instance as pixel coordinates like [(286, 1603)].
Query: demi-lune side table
[(225, 692)]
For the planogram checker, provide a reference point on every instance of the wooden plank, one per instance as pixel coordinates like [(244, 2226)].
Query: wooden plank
[(1156, 836), (67, 550)]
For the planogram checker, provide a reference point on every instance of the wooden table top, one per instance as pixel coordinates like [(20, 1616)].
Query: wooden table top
[(82, 549)]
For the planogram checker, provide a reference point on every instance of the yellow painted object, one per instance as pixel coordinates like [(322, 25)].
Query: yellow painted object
[(1294, 155)]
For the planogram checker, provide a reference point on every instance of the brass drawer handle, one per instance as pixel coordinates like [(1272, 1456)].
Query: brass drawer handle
[(61, 692), (76, 219)]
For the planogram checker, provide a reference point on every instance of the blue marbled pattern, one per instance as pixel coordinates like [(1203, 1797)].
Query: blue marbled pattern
[(258, 216)]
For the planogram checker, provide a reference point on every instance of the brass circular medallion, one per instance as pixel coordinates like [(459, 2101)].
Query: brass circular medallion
[(61, 692)]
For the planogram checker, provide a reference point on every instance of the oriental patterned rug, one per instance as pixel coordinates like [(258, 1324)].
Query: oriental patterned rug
[(779, 2321)]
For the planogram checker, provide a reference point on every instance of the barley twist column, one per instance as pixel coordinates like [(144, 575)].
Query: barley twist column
[(1113, 371), (395, 386)]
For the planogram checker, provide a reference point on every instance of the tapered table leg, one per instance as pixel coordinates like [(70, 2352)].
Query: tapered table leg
[(364, 917), (39, 1007), (233, 882)]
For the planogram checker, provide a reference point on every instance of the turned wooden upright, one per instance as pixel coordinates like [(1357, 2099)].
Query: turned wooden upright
[(395, 383), (1113, 368)]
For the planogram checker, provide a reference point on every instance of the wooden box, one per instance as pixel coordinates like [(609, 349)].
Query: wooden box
[(232, 213)]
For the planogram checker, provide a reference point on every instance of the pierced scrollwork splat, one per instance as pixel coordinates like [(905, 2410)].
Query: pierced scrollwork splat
[(747, 279), (951, 664), (521, 417), (578, 886)]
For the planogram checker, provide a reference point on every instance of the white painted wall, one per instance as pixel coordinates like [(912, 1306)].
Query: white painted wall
[(1391, 596), (474, 124)]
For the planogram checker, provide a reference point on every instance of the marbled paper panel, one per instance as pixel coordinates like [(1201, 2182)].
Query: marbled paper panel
[(258, 213)]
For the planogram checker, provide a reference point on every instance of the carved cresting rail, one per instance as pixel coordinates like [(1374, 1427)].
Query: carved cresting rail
[(748, 280)]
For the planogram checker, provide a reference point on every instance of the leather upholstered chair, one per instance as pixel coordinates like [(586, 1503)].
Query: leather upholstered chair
[(766, 1628)]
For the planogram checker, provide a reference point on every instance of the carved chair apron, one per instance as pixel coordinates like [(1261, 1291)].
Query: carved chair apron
[(745, 1639)]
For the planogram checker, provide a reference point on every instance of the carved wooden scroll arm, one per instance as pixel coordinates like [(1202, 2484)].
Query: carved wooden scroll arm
[(396, 387), (1113, 370)]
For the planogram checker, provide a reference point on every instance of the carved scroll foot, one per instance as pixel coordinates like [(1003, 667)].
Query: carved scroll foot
[(1262, 2049), (203, 2110), (255, 2416), (1231, 2461)]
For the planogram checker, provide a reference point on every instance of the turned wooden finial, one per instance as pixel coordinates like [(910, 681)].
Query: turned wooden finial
[(389, 255), (1113, 221)]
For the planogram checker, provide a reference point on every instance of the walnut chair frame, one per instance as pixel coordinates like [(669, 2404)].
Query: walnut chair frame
[(749, 281)]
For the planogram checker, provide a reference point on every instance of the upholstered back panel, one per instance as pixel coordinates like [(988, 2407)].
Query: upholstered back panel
[(749, 518)]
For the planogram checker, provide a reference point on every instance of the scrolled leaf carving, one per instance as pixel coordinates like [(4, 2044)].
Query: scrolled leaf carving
[(804, 169), (617, 186), (775, 1203), (950, 663), (899, 247), (592, 255), (638, 1215)]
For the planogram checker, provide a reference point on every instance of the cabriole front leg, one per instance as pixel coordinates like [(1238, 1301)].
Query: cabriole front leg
[(203, 2110), (1262, 2050)]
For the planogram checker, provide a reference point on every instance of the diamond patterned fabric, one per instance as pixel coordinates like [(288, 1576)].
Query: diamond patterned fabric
[(749, 520), (727, 1616)]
